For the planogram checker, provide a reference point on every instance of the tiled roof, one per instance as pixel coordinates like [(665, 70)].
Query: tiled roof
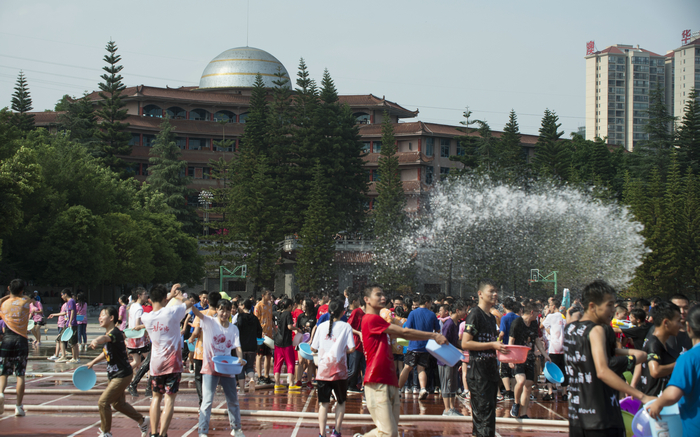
[(186, 126), (651, 53), (342, 257), (612, 49), (46, 118), (695, 42), (429, 129), (372, 100)]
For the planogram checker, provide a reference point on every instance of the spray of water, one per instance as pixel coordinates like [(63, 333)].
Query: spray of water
[(476, 228)]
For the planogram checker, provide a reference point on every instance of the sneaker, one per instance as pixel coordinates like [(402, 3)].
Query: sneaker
[(515, 410), (364, 400), (508, 395), (294, 387), (447, 413), (547, 397), (52, 358), (524, 417), (2, 403), (436, 391), (456, 413), (564, 398), (280, 387), (144, 426), (403, 390), (73, 361), (416, 390), (335, 433), (499, 398), (532, 397), (423, 394), (105, 434), (268, 381), (354, 390), (309, 385), (61, 360), (19, 411), (132, 391), (203, 435), (237, 433)]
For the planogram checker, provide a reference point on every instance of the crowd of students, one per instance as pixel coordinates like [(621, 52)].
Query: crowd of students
[(358, 337)]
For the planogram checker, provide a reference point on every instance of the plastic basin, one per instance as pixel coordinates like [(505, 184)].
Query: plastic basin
[(553, 373), (516, 354), (30, 325), (67, 334), (402, 341), (80, 318), (227, 365), (192, 346), (84, 379), (268, 342), (305, 351), (631, 405), (306, 337), (628, 418), (466, 357), (297, 339), (641, 423), (628, 377), (132, 333), (446, 353), (670, 424)]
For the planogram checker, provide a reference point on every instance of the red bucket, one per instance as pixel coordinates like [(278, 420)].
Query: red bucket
[(516, 354)]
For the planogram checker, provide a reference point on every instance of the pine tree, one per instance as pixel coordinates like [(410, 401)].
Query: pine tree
[(112, 135), (314, 270), (22, 105), (469, 143), (393, 267), (79, 118), (168, 175), (689, 133), (689, 253), (513, 157), (654, 152), (552, 155)]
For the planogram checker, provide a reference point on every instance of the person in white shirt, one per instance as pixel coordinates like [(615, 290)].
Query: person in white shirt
[(163, 326), (333, 341), (219, 337), (554, 326)]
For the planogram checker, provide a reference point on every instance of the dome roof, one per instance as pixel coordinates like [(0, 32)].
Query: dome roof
[(236, 68)]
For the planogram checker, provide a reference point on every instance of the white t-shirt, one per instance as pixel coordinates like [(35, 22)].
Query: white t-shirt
[(332, 358), (135, 313), (217, 341), (555, 323), (163, 327)]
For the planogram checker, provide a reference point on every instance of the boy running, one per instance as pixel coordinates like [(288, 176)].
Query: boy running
[(480, 339), (381, 384), (594, 409)]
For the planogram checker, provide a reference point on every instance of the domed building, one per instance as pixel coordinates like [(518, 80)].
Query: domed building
[(236, 68)]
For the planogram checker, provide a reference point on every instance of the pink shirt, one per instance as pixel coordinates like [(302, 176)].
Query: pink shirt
[(81, 311), (122, 317), (36, 306)]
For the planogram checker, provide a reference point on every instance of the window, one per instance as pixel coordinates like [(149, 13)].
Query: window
[(152, 111), (135, 140), (176, 113), (366, 145), (199, 114), (377, 145), (181, 142), (375, 175), (230, 144), (227, 116), (243, 117), (429, 146), (444, 172), (206, 172), (429, 175), (361, 117), (460, 150), (148, 140), (444, 148), (199, 144)]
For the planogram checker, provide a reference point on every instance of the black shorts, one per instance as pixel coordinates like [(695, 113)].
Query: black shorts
[(14, 350), (558, 359), (249, 367), (413, 359), (141, 350), (340, 388), (506, 371), (398, 357), (166, 384), (527, 368), (264, 351)]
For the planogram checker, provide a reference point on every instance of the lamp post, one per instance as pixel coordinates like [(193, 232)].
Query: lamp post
[(205, 199)]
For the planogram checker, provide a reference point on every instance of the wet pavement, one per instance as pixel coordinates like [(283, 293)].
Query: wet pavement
[(50, 399)]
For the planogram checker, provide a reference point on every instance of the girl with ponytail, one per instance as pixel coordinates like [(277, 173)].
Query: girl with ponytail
[(333, 341)]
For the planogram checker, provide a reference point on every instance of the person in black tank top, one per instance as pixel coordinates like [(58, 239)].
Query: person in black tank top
[(594, 409)]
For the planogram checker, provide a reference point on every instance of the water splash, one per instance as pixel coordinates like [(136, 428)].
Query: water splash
[(476, 228)]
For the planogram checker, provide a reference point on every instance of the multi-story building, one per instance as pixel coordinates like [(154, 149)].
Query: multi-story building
[(217, 109), (685, 64), (618, 82)]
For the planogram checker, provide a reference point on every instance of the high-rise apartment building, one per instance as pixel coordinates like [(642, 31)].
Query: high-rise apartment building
[(684, 63), (619, 80)]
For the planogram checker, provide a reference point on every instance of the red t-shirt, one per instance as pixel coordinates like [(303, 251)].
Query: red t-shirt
[(380, 361), (295, 314), (323, 309), (355, 321)]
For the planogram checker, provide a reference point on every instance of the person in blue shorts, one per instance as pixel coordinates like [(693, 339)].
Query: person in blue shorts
[(684, 385)]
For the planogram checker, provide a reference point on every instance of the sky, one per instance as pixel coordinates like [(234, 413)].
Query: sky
[(439, 57)]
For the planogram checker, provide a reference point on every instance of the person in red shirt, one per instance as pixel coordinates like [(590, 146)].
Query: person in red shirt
[(323, 308), (381, 383)]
